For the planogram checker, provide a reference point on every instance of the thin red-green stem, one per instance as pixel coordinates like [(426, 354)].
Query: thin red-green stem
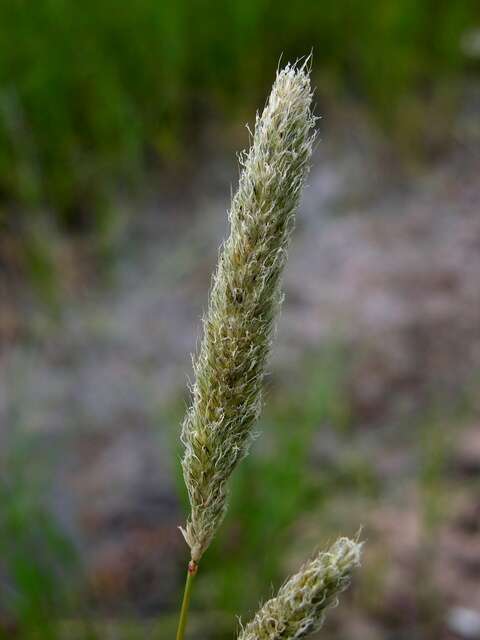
[(182, 622)]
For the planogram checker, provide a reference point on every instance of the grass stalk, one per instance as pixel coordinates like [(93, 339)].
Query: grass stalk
[(182, 621)]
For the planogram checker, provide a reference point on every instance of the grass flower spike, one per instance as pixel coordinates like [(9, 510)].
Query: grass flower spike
[(244, 300), (300, 605)]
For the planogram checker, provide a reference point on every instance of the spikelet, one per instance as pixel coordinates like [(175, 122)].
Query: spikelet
[(244, 300), (299, 607)]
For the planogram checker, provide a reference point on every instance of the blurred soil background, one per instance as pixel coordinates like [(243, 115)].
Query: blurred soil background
[(119, 125)]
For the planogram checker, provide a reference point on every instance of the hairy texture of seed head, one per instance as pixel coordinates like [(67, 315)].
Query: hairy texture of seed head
[(300, 605), (244, 300)]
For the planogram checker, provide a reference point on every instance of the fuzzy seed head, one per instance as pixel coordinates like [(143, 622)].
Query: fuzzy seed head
[(244, 301), (299, 607)]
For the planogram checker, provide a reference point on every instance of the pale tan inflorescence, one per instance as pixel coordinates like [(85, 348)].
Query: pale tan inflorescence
[(299, 607), (244, 300)]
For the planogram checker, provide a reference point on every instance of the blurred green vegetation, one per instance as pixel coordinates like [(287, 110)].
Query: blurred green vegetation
[(90, 91), (37, 559)]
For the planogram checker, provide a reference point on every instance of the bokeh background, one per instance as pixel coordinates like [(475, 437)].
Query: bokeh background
[(119, 124)]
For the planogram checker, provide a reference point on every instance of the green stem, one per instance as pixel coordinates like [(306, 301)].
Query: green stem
[(182, 622)]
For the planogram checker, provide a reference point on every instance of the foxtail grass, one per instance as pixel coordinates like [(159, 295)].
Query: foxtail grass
[(230, 365), (299, 607), (244, 301)]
